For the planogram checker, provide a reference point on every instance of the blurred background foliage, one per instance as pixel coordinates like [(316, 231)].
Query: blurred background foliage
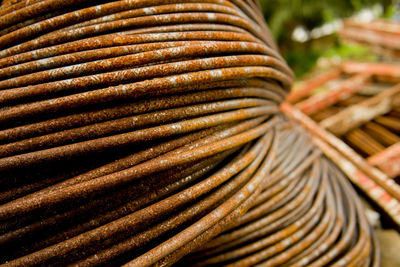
[(286, 16)]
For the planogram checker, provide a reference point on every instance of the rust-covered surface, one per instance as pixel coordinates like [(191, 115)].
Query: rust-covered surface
[(376, 184), (381, 36), (362, 126), (150, 133)]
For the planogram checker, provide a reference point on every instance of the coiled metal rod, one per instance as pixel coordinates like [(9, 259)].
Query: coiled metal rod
[(149, 133)]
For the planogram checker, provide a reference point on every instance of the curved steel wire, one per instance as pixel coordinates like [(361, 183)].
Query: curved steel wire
[(143, 132)]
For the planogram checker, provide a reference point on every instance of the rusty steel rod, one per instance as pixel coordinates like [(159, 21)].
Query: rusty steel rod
[(149, 132)]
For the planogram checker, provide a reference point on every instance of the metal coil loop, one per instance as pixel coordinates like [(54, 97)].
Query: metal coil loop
[(143, 132)]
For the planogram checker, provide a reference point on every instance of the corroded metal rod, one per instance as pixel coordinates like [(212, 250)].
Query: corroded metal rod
[(157, 124)]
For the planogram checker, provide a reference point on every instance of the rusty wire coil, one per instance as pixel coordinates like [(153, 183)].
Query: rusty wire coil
[(138, 132)]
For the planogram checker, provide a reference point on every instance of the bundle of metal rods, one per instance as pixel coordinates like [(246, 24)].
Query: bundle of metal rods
[(381, 36), (138, 132), (302, 225)]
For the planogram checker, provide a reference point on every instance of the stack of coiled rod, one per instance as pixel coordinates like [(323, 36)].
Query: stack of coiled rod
[(149, 133)]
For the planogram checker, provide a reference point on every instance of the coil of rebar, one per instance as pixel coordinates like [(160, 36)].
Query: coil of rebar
[(143, 132)]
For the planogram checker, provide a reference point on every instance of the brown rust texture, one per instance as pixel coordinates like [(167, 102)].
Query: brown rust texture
[(362, 123), (148, 132), (381, 36)]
